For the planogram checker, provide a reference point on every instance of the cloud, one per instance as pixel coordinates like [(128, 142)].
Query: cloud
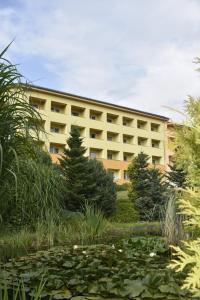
[(134, 53)]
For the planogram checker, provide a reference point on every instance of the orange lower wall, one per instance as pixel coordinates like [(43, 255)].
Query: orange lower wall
[(111, 164)]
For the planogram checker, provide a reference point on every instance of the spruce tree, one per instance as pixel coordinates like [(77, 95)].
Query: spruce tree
[(147, 189), (75, 168), (103, 195), (139, 176), (176, 176)]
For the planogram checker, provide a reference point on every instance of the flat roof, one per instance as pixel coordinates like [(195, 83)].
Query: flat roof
[(98, 102)]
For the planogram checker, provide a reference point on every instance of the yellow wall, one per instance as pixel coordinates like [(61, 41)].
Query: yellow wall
[(124, 143)]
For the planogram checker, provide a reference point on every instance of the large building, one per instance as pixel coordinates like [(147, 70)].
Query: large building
[(113, 134)]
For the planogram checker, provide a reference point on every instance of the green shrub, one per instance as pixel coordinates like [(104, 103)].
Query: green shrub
[(122, 187), (125, 211)]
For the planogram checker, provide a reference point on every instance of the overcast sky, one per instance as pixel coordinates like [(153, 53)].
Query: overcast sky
[(136, 53)]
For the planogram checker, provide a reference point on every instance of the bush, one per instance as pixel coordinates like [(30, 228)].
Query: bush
[(125, 211), (122, 187)]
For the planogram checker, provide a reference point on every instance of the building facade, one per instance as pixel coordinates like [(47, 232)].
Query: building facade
[(113, 134)]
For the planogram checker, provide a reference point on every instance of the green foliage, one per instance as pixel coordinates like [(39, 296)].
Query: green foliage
[(40, 190), (75, 169), (125, 211), (147, 189), (103, 194), (176, 176), (122, 187), (94, 222), (187, 255), (19, 124), (19, 291), (132, 269), (86, 180)]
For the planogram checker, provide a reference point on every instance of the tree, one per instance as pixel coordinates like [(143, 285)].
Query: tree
[(147, 190), (176, 176), (103, 194), (139, 176), (186, 257), (75, 168)]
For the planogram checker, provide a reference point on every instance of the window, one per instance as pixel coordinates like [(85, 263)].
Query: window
[(55, 129), (93, 117), (156, 160), (109, 138), (35, 105), (127, 121), (155, 127), (155, 143), (75, 114), (141, 124), (55, 109), (128, 139), (142, 141), (125, 158), (93, 154), (93, 135), (110, 156), (111, 118), (126, 175), (54, 150)]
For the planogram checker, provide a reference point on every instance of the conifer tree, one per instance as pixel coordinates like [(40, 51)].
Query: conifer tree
[(75, 169), (147, 189), (176, 176), (104, 189)]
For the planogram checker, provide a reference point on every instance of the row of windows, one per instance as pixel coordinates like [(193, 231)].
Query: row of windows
[(111, 136), (97, 153), (94, 114)]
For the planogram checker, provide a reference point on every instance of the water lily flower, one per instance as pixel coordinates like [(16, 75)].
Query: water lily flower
[(120, 250), (75, 247), (152, 254), (113, 246), (84, 252)]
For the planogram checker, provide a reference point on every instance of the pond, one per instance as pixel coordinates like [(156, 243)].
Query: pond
[(134, 268)]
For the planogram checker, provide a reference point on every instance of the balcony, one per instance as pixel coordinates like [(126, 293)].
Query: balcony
[(95, 115), (96, 134), (142, 141), (156, 160), (127, 122), (142, 124), (112, 136), (111, 118), (127, 156), (37, 103), (58, 108), (155, 127), (155, 143), (77, 111), (128, 139), (95, 153), (112, 155)]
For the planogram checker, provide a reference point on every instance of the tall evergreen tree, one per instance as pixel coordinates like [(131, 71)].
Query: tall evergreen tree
[(75, 169), (176, 176), (147, 190), (104, 191)]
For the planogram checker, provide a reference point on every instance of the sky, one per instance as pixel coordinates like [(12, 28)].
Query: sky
[(135, 53)]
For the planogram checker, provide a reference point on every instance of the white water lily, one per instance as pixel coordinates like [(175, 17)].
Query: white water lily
[(120, 250), (75, 247), (152, 254), (113, 246), (84, 252)]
